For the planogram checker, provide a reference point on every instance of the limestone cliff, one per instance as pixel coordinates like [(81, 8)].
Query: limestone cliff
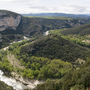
[(8, 21)]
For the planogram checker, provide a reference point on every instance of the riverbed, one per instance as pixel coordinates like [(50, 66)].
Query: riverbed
[(12, 82), (21, 84)]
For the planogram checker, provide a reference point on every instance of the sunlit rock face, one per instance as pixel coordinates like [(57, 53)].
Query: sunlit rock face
[(9, 22)]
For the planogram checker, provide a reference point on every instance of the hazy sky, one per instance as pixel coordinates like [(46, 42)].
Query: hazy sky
[(46, 6)]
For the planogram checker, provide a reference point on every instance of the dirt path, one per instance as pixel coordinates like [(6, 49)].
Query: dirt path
[(15, 62)]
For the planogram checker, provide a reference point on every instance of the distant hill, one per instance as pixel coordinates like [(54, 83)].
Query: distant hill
[(57, 15), (80, 30), (56, 47), (87, 14)]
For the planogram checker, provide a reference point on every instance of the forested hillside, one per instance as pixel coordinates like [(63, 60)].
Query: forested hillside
[(62, 76), (9, 38), (39, 67), (79, 35), (36, 26), (55, 47), (80, 30), (74, 80)]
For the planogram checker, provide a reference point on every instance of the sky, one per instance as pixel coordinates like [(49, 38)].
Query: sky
[(46, 6)]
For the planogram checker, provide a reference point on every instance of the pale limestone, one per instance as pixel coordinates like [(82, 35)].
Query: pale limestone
[(9, 22)]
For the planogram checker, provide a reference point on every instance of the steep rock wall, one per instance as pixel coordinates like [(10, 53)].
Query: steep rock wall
[(9, 22)]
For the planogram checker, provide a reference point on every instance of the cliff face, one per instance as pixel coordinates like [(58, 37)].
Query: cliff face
[(8, 21)]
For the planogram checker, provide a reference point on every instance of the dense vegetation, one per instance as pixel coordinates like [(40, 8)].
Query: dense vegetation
[(39, 67), (80, 30), (6, 39), (76, 38), (36, 26), (74, 80), (55, 47), (44, 62), (83, 40), (77, 79), (4, 63)]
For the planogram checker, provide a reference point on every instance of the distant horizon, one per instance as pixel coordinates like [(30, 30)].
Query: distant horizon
[(46, 13), (45, 6), (53, 13)]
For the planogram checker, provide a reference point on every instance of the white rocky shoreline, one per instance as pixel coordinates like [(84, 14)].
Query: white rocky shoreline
[(19, 83)]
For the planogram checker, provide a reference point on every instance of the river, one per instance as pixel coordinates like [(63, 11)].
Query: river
[(17, 85)]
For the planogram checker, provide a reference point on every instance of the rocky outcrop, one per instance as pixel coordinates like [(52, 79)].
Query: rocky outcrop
[(9, 22)]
